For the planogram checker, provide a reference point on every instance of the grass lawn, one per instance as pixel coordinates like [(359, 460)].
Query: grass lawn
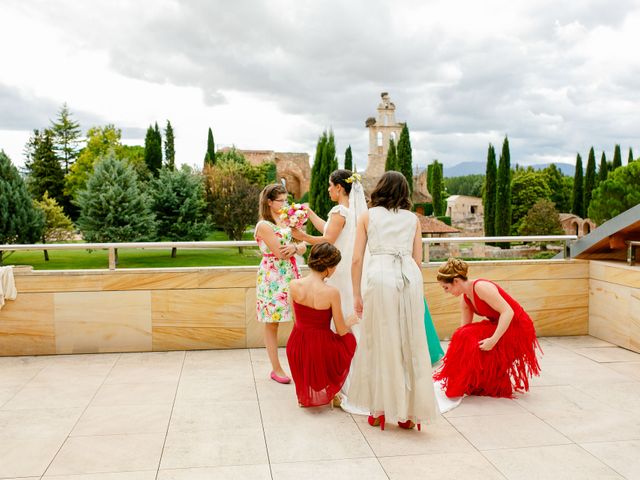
[(138, 258)]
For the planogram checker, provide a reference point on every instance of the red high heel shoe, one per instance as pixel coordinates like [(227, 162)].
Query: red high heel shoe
[(375, 421), (408, 425)]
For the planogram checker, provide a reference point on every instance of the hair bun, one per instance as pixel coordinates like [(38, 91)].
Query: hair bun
[(323, 256), (454, 268)]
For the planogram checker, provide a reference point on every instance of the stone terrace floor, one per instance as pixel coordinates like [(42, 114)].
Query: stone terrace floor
[(216, 415)]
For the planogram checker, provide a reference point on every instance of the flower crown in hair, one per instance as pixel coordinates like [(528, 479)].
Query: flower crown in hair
[(354, 178)]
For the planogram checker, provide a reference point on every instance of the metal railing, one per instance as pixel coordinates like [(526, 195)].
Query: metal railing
[(113, 247)]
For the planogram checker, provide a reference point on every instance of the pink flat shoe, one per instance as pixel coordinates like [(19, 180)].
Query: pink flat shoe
[(280, 379)]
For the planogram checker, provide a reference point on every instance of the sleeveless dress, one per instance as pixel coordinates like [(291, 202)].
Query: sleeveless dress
[(319, 358), (499, 372), (274, 275), (392, 370)]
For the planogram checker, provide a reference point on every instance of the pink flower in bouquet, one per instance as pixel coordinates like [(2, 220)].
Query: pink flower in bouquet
[(294, 215)]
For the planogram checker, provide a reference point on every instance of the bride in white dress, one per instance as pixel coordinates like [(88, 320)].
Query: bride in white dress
[(339, 229)]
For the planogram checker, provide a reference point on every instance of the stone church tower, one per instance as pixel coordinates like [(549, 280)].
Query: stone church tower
[(381, 130)]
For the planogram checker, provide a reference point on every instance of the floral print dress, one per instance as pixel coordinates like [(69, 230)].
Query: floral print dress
[(274, 275)]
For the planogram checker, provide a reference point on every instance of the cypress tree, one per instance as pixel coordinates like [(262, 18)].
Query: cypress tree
[(348, 159), (20, 221), (603, 171), (169, 147), (617, 158), (589, 181), (45, 173), (503, 194), (324, 163), (489, 194), (630, 159), (404, 161), (436, 189), (153, 150), (577, 199), (392, 160), (210, 155), (66, 135)]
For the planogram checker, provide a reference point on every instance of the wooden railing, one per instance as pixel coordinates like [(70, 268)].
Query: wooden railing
[(113, 247)]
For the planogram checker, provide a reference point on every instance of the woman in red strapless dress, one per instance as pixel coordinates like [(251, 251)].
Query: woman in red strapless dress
[(319, 359), (496, 356)]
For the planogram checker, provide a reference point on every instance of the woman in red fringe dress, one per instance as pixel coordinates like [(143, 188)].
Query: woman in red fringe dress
[(494, 357), (319, 359)]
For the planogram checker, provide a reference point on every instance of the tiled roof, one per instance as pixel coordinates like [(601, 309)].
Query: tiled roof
[(433, 225)]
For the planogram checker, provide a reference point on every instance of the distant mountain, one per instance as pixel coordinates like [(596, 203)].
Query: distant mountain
[(474, 168)]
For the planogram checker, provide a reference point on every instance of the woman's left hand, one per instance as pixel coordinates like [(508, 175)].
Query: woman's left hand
[(487, 344), (288, 250)]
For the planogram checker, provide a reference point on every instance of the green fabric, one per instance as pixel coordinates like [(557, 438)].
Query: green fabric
[(435, 349)]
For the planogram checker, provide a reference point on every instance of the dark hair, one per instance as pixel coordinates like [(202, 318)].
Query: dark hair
[(454, 268), (391, 192), (270, 192), (339, 177), (323, 256)]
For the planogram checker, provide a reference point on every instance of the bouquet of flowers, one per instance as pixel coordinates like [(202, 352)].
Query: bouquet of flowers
[(295, 215)]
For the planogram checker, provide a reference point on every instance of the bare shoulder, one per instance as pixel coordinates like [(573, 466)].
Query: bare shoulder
[(485, 289)]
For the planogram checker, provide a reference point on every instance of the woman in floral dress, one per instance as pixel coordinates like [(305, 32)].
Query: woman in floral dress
[(277, 269)]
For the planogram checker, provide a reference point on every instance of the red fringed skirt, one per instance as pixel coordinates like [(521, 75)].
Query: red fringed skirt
[(499, 372)]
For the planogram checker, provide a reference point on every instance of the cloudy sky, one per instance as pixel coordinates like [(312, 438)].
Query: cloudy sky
[(557, 77)]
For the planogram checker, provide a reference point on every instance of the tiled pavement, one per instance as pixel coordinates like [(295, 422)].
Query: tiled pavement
[(216, 415)]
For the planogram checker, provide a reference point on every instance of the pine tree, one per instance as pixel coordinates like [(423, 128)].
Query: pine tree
[(603, 170), (489, 194), (589, 180), (348, 159), (437, 198), (392, 160), (153, 149), (404, 161), (577, 199), (67, 134), (210, 155), (503, 194), (20, 221), (66, 137), (112, 207), (617, 158), (169, 147), (57, 226), (44, 171)]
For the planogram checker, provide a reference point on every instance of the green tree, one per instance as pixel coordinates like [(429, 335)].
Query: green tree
[(527, 187), (630, 158), (112, 207), (169, 147), (100, 140), (470, 185), (348, 159), (404, 160), (617, 158), (57, 226), (392, 160), (560, 186), (603, 169), (134, 156), (232, 200), (20, 221), (258, 175), (618, 193), (67, 134), (503, 194), (324, 163), (589, 180), (437, 189), (489, 194), (210, 155), (541, 219), (153, 149), (178, 202), (577, 198), (43, 168)]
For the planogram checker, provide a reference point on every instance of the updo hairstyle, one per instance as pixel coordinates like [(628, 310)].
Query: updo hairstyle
[(454, 268), (323, 256), (339, 177)]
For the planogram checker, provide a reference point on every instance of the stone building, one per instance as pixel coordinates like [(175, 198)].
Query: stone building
[(294, 168), (467, 214), (382, 129), (574, 225)]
